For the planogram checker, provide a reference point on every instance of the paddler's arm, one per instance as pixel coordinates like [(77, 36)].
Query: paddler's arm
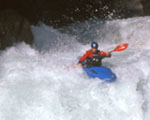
[(108, 54), (82, 59), (105, 54)]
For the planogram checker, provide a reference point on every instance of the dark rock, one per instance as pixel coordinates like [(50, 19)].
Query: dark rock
[(13, 29), (146, 6), (129, 8), (63, 12)]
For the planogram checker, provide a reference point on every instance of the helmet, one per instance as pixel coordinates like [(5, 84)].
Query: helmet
[(94, 45)]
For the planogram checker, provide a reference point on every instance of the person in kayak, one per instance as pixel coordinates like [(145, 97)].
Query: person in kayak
[(93, 57)]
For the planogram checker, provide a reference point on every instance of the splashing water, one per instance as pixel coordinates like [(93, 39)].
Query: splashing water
[(38, 83)]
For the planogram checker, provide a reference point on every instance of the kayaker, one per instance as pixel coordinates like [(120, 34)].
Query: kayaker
[(93, 57)]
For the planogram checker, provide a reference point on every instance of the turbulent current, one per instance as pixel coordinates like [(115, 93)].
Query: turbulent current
[(40, 82)]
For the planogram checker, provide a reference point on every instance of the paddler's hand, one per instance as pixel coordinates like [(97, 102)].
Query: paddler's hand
[(79, 65), (108, 54)]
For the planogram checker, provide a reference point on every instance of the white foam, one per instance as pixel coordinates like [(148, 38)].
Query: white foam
[(43, 86)]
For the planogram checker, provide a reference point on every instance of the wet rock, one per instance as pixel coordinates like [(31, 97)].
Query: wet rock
[(63, 12), (13, 29), (146, 6), (130, 7)]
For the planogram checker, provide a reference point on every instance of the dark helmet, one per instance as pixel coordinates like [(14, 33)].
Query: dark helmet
[(94, 45)]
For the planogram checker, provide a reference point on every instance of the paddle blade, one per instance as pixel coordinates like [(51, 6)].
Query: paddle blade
[(121, 47)]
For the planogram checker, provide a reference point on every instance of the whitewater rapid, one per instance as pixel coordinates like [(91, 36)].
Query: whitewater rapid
[(39, 82)]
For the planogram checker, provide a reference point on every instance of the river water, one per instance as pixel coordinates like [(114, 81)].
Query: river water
[(40, 82)]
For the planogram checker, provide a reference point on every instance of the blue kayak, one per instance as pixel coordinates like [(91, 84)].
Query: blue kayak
[(102, 73)]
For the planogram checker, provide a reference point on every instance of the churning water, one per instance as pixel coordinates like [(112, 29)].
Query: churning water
[(39, 83)]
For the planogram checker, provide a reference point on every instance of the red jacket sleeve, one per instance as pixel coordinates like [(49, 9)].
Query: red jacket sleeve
[(84, 56)]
